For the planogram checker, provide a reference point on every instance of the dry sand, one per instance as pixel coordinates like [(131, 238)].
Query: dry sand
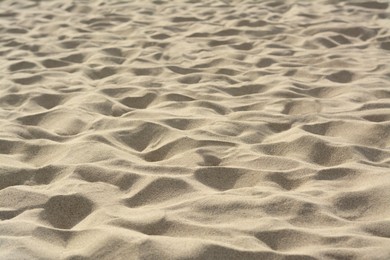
[(194, 129)]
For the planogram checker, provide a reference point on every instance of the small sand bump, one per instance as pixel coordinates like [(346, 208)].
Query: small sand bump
[(48, 101), (122, 179), (147, 71), (372, 5), (385, 46), (248, 23), (283, 181), (22, 65), (228, 32), (243, 46), (70, 44), (333, 173), (50, 63), (141, 102), (184, 19), (219, 178), (113, 52), (66, 211), (28, 80), (17, 30), (160, 36), (158, 191), (342, 76), (96, 74), (181, 70), (190, 79), (352, 205), (282, 240), (379, 228), (265, 62), (245, 90), (75, 58), (215, 43)]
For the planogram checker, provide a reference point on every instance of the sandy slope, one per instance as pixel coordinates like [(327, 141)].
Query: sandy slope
[(194, 130)]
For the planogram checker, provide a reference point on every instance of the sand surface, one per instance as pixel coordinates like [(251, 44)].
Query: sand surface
[(194, 129)]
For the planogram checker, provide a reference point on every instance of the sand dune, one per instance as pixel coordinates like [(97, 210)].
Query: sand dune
[(194, 129)]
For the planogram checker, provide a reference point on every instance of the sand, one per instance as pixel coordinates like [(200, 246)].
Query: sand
[(194, 129)]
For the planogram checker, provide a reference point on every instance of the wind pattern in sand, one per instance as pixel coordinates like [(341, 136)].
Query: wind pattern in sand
[(194, 129)]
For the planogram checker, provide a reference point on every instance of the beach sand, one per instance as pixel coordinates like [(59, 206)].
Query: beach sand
[(194, 129)]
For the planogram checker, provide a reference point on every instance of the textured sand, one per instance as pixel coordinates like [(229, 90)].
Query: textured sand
[(194, 129)]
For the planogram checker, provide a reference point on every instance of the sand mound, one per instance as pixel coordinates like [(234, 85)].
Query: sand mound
[(194, 129)]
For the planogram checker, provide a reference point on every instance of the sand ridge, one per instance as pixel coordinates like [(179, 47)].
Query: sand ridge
[(194, 129)]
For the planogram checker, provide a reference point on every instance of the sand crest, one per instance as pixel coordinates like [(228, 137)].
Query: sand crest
[(194, 129)]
